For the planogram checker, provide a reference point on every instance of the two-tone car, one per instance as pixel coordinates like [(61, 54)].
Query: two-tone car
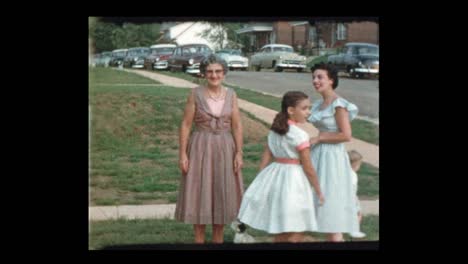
[(278, 57), (187, 58), (118, 56), (136, 57), (160, 53), (234, 59), (357, 59)]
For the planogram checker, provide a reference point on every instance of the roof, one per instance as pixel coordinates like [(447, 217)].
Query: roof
[(254, 29), (163, 46), (120, 50), (361, 44), (277, 45)]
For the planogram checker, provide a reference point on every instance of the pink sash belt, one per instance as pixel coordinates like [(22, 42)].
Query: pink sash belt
[(288, 161)]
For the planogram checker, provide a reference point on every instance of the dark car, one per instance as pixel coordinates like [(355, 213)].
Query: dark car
[(136, 56), (187, 58), (160, 53), (118, 57), (357, 59)]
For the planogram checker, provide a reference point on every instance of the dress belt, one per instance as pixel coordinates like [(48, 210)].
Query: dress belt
[(214, 131), (288, 161)]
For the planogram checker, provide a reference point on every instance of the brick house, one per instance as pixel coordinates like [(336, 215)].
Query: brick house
[(310, 35)]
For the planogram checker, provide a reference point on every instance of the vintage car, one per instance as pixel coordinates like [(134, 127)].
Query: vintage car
[(160, 53), (118, 57), (278, 57), (187, 58), (234, 59), (357, 59), (104, 59), (136, 57)]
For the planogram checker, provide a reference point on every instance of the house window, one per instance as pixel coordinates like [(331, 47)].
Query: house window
[(312, 34), (341, 32), (273, 38)]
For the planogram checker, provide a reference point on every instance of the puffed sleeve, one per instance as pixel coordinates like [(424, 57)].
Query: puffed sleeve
[(301, 140), (350, 107)]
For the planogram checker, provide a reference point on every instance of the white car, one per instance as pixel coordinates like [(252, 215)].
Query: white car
[(278, 57), (234, 59)]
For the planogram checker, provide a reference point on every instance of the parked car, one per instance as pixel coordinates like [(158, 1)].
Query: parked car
[(136, 57), (94, 59), (187, 58), (278, 57), (118, 57), (160, 53), (234, 59), (104, 59), (357, 59)]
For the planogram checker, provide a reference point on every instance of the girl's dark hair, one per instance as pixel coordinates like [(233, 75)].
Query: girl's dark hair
[(290, 99), (212, 59), (331, 72)]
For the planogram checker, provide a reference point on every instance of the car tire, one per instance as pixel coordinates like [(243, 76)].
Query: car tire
[(258, 68)]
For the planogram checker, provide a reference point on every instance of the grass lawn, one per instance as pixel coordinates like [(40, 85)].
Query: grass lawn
[(158, 231), (115, 76)]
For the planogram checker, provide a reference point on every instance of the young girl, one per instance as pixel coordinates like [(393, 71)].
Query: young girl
[(280, 199), (355, 159)]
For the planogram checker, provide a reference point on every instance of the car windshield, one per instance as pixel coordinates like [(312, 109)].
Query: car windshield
[(232, 52), (197, 49), (285, 49), (119, 54), (137, 52), (162, 50), (368, 50)]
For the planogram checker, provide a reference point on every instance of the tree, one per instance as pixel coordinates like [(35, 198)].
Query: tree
[(101, 33), (109, 36), (224, 35)]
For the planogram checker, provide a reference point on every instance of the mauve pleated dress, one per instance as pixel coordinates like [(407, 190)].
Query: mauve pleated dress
[(211, 192)]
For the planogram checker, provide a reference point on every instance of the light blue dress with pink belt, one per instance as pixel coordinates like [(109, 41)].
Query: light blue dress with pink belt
[(339, 213)]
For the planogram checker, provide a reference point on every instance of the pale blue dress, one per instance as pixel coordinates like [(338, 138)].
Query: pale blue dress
[(339, 213), (281, 199)]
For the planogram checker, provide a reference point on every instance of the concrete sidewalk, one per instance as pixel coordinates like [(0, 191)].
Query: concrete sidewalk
[(160, 211), (370, 152)]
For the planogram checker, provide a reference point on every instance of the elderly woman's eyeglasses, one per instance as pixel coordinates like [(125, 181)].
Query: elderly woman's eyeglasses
[(211, 72)]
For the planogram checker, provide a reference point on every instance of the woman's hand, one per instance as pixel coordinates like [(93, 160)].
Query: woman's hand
[(183, 164), (321, 199), (314, 140), (238, 163)]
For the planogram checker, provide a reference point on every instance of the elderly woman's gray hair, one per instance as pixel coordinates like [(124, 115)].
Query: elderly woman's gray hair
[(212, 59)]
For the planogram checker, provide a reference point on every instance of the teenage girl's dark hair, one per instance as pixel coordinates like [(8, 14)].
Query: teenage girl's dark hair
[(331, 72), (290, 99)]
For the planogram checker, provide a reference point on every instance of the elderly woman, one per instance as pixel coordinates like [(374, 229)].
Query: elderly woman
[(211, 185)]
